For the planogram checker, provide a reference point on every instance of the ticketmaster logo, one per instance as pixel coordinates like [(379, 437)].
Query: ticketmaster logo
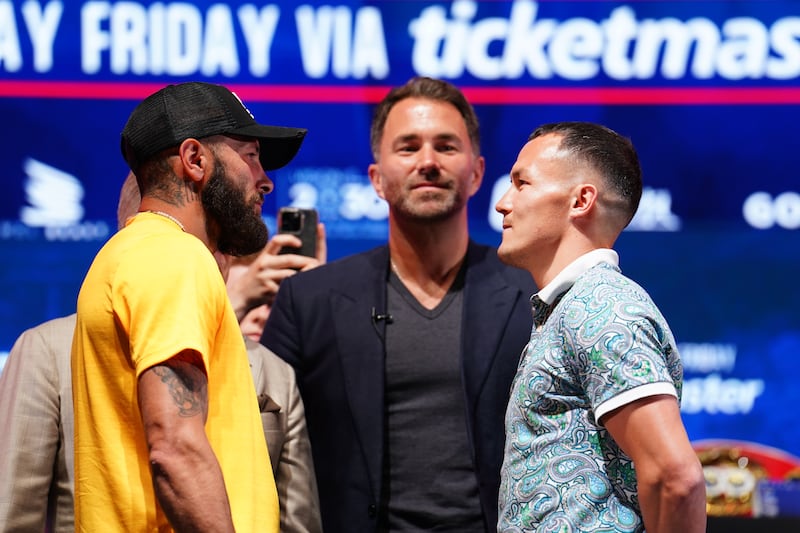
[(54, 196), (622, 46)]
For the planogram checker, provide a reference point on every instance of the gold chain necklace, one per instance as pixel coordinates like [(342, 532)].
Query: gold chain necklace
[(167, 215)]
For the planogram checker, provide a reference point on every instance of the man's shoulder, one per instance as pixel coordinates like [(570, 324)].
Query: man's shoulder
[(157, 238), (61, 327), (606, 282), (354, 266), (260, 355), (43, 353), (608, 275), (271, 375)]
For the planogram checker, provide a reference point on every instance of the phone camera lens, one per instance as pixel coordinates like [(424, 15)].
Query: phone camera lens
[(291, 221)]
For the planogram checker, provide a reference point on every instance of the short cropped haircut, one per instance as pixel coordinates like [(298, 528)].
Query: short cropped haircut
[(431, 89), (609, 153)]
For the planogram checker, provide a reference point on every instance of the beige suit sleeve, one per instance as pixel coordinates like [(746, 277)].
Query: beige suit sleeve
[(30, 435), (296, 479), (284, 422)]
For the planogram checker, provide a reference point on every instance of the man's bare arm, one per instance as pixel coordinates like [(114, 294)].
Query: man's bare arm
[(188, 482), (668, 473)]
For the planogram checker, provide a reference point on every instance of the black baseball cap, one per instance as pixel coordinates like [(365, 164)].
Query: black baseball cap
[(196, 110)]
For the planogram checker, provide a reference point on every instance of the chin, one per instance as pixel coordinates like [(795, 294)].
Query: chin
[(503, 254), (253, 336), (508, 257)]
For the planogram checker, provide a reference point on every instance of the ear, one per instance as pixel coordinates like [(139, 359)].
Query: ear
[(374, 174), (583, 200), (477, 176), (195, 159)]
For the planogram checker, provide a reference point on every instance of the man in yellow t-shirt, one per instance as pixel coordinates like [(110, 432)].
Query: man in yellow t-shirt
[(167, 428)]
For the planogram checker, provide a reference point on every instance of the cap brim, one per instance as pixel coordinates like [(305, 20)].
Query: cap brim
[(279, 144)]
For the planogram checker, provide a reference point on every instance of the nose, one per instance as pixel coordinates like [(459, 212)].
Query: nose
[(265, 185), (503, 205), (261, 314), (427, 162)]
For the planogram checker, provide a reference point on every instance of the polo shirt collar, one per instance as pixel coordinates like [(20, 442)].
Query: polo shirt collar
[(570, 274)]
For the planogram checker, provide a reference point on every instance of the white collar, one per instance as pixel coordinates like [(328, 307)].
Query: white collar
[(567, 277)]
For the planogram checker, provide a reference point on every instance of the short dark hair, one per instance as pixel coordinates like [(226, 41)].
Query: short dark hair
[(156, 176), (608, 152), (432, 89)]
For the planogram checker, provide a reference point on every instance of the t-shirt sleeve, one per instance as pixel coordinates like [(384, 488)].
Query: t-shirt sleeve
[(169, 296), (625, 358)]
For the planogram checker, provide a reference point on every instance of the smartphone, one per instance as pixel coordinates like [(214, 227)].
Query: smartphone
[(301, 223)]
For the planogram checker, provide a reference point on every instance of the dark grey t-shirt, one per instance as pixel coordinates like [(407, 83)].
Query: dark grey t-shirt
[(429, 478)]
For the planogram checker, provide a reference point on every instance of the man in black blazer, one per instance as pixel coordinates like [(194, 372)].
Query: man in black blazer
[(405, 354)]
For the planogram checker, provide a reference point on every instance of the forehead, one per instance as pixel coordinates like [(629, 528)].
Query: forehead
[(237, 141), (540, 152), (424, 116)]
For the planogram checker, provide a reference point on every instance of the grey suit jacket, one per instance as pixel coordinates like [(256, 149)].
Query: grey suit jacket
[(36, 434)]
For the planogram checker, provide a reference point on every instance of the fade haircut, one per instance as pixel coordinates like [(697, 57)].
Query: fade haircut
[(155, 176), (607, 152), (430, 89)]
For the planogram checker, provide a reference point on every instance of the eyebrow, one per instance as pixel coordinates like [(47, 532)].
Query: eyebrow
[(439, 137), (518, 172), (245, 140)]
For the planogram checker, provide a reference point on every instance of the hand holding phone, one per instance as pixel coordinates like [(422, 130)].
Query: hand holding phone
[(301, 223)]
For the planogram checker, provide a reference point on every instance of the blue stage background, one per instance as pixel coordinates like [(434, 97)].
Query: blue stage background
[(716, 241)]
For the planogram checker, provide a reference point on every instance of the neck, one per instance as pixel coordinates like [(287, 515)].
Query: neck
[(427, 258), (186, 216), (431, 248), (548, 263)]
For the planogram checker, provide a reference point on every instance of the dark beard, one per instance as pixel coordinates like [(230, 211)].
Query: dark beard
[(241, 229)]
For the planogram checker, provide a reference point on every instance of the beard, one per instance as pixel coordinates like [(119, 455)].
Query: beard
[(241, 229), (430, 206)]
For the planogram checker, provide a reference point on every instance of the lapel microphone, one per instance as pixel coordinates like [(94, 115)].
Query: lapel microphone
[(381, 317)]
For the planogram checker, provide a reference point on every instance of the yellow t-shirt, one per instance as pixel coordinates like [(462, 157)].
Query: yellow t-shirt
[(152, 292)]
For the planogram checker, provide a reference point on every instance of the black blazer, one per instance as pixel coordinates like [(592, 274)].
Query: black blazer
[(322, 324)]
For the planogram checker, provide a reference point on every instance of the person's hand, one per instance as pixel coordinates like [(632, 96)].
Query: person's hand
[(256, 284)]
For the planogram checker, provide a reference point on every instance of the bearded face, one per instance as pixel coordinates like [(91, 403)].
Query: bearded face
[(241, 228)]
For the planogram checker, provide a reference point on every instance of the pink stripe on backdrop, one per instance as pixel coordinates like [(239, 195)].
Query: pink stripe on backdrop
[(96, 90)]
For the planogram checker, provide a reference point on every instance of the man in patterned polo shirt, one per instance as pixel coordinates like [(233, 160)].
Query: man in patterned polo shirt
[(594, 437)]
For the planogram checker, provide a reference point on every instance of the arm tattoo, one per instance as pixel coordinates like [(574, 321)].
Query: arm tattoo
[(187, 385)]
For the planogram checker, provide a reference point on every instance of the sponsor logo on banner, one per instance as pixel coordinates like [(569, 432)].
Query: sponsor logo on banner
[(763, 211), (714, 394), (344, 198), (54, 208)]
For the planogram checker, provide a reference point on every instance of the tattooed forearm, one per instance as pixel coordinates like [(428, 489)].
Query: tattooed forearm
[(187, 385)]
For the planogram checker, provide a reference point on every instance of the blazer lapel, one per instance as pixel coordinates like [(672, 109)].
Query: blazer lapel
[(489, 301), (361, 351)]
